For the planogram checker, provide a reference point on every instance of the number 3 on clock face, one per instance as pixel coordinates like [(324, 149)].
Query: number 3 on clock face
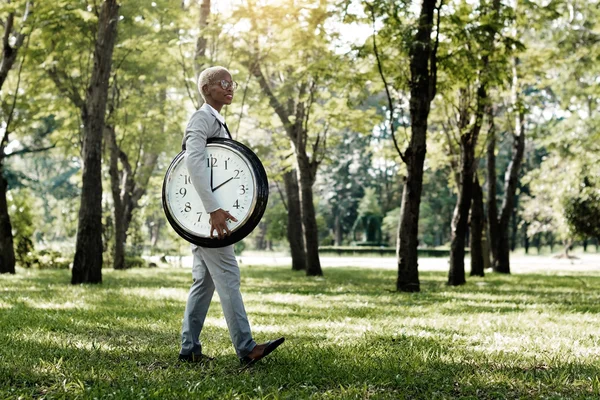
[(237, 183)]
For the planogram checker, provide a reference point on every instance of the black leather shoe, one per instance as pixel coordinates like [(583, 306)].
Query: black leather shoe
[(196, 358), (261, 351)]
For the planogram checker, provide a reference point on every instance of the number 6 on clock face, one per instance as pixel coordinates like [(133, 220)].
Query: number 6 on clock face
[(239, 183)]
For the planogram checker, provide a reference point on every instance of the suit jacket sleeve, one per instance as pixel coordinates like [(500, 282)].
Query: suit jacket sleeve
[(196, 134)]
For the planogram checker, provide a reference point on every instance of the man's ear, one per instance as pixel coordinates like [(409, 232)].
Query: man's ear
[(204, 89)]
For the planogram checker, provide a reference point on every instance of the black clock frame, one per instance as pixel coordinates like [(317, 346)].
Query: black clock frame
[(262, 197)]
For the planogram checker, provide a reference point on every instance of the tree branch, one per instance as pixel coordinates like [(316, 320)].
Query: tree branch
[(28, 150), (433, 80), (255, 70), (281, 195), (14, 103), (185, 80), (385, 84)]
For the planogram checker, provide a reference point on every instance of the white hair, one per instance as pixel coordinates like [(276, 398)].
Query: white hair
[(208, 76)]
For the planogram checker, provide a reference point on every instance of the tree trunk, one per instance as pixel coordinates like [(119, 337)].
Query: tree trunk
[(477, 230), (309, 219), (155, 233), (118, 206), (7, 250), (423, 69), (201, 46), (469, 185), (485, 246), (460, 219), (502, 262), (134, 182), (87, 265), (11, 44), (567, 246), (526, 243), (337, 229), (514, 229), (297, 132), (492, 209), (295, 234)]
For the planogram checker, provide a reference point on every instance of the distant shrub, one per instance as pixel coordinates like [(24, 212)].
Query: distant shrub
[(135, 262), (239, 247), (387, 251), (51, 259)]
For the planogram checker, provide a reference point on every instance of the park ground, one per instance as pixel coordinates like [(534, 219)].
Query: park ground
[(533, 335)]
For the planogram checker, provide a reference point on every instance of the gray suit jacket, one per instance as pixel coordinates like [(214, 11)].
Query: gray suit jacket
[(202, 125)]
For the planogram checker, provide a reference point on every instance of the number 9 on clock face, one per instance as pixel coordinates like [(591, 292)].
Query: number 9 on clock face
[(238, 182)]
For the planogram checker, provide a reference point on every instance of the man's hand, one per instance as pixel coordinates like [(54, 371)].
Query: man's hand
[(218, 221)]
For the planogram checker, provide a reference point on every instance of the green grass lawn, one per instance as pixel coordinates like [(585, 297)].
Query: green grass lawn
[(349, 335)]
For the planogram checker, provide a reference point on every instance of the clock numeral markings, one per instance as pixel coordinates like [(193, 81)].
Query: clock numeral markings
[(211, 162), (199, 216), (226, 163), (237, 204), (188, 207), (237, 173), (242, 189), (182, 192), (186, 179)]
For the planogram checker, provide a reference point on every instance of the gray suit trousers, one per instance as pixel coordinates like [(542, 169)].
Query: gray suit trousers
[(215, 268)]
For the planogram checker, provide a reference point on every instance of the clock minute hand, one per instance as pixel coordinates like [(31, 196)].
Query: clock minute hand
[(211, 179), (223, 183)]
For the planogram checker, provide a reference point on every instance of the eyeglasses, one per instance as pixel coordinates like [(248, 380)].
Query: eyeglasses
[(226, 84)]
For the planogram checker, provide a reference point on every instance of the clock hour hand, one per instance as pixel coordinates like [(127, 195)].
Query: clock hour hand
[(211, 178), (222, 184)]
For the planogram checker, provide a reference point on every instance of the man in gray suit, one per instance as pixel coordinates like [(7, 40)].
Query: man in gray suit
[(214, 267)]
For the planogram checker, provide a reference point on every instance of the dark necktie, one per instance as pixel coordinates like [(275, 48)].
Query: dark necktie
[(227, 130)]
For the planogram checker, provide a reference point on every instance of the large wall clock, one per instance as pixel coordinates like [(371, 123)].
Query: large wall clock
[(239, 182)]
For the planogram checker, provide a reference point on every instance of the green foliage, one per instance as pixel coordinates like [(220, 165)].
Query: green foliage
[(346, 337), (52, 259), (370, 250), (300, 42), (369, 204), (582, 211), (135, 262), (23, 212), (390, 225), (20, 210), (239, 247), (437, 206), (344, 178), (276, 219)]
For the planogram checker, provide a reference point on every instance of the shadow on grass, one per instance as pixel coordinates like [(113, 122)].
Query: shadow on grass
[(59, 340), (377, 367)]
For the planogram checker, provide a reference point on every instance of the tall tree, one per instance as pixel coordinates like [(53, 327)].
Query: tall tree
[(201, 43), (87, 265), (13, 39), (567, 139), (469, 127), (139, 115), (303, 84), (295, 233), (477, 225), (499, 222), (423, 81)]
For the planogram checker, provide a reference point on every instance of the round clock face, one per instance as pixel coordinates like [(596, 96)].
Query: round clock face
[(237, 182)]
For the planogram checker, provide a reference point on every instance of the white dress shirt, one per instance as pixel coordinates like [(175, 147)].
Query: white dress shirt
[(204, 124)]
